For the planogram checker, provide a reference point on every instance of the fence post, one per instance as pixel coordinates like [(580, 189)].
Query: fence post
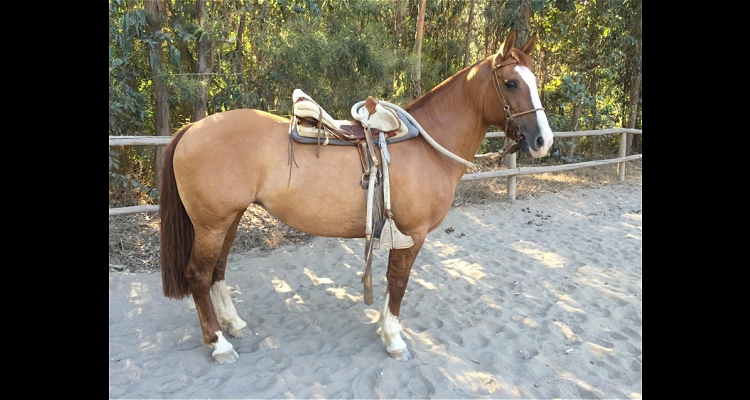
[(621, 165), (512, 178)]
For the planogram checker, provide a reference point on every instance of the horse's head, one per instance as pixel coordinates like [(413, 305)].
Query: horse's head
[(521, 114)]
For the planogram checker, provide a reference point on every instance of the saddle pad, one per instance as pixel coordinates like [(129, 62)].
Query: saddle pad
[(411, 132), (305, 106)]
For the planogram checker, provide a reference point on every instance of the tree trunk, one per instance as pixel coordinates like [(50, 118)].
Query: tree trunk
[(635, 85), (577, 108), (155, 10), (635, 80), (525, 31), (467, 42), (593, 83), (416, 81), (241, 45), (205, 59), (187, 56)]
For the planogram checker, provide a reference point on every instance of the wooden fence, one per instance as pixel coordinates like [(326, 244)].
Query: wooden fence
[(511, 172)]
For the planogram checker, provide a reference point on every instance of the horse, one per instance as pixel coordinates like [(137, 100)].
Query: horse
[(214, 168)]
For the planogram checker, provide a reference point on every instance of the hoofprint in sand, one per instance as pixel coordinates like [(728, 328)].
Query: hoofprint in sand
[(537, 298)]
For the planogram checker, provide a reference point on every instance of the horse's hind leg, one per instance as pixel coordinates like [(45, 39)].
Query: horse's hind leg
[(399, 268), (207, 248), (225, 310)]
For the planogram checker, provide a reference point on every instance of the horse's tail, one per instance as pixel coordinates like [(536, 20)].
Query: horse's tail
[(176, 233)]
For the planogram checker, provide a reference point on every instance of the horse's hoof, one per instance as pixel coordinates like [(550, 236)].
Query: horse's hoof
[(240, 333), (226, 358), (400, 355)]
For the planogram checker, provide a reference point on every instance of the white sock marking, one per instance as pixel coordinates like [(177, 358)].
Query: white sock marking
[(222, 345), (225, 311), (391, 333)]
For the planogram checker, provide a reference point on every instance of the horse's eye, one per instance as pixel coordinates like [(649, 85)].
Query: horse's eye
[(511, 84)]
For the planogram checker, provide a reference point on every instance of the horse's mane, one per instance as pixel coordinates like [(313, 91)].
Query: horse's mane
[(522, 58), (424, 100)]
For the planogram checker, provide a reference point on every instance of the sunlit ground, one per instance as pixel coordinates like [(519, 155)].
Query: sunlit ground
[(484, 191)]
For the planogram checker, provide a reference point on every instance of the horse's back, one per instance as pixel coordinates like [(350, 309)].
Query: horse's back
[(234, 128)]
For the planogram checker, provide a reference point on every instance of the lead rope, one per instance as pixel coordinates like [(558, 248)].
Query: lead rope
[(427, 137)]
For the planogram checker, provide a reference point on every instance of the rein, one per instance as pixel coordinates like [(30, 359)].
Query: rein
[(509, 116)]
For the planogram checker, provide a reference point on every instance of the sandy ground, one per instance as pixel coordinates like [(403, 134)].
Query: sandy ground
[(537, 298)]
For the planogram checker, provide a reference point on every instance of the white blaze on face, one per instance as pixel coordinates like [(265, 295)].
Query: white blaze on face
[(541, 117)]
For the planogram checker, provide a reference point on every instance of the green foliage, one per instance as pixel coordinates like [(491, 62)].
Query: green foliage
[(340, 52), (129, 188)]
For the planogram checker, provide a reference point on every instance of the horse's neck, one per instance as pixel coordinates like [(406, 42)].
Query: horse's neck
[(452, 113)]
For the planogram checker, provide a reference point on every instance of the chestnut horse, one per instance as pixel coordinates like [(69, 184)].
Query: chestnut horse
[(216, 167)]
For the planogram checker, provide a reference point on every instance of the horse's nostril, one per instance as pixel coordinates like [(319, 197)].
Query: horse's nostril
[(540, 142)]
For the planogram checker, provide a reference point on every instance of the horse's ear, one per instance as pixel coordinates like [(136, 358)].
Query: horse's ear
[(510, 42), (528, 47)]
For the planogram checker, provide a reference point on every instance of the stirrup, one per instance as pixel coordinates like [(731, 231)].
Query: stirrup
[(391, 238)]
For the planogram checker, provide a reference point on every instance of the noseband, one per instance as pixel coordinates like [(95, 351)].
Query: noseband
[(509, 116)]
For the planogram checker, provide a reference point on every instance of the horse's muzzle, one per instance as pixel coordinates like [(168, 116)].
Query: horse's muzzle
[(524, 147), (534, 145)]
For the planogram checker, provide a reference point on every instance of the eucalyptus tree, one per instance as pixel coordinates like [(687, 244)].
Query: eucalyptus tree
[(131, 100), (586, 48), (175, 61)]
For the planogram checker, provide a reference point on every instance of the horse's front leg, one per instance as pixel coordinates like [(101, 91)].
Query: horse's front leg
[(399, 267)]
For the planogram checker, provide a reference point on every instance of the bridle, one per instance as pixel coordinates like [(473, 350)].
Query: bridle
[(509, 116)]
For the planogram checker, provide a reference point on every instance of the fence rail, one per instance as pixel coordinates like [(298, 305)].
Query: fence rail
[(511, 172)]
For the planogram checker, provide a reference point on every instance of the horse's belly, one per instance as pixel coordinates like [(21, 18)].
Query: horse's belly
[(319, 196), (322, 212)]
